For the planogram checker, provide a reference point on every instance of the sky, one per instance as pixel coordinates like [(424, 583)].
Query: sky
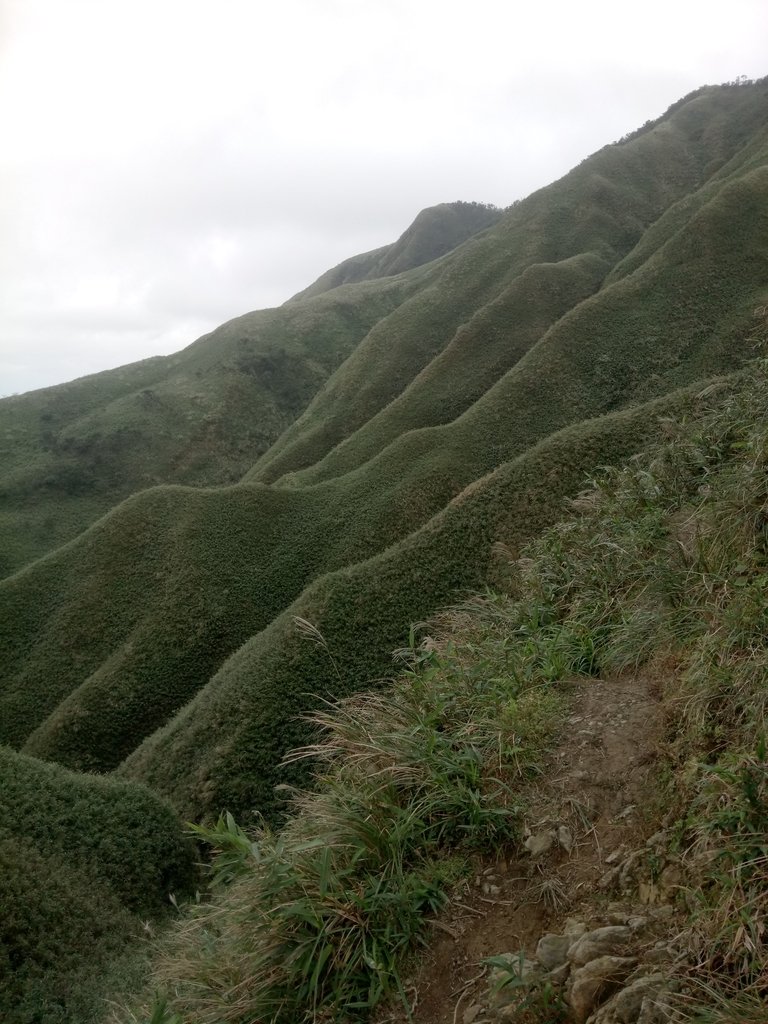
[(166, 165)]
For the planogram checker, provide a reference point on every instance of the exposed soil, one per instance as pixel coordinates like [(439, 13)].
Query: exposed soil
[(599, 784)]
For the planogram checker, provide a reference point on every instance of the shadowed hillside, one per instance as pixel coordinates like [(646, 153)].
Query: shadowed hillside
[(84, 861), (70, 453)]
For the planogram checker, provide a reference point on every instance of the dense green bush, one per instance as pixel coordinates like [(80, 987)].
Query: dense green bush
[(85, 864), (62, 932), (118, 834)]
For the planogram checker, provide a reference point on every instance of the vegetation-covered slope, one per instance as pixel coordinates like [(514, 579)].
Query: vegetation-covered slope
[(203, 416), (85, 861), (600, 211), (658, 571)]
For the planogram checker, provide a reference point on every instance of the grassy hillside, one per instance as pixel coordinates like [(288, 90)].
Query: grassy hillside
[(206, 415), (364, 612), (85, 861), (657, 572), (203, 416), (599, 211)]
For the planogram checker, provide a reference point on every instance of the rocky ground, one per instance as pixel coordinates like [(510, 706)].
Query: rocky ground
[(581, 926)]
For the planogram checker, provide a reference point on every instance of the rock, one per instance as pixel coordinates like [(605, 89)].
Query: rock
[(491, 890), (573, 928), (648, 893), (565, 838), (614, 857), (629, 869), (552, 950), (644, 1000), (501, 987), (626, 813), (655, 1010), (671, 878), (599, 943), (471, 1013), (559, 975), (658, 839), (595, 981), (628, 1003), (658, 956), (616, 917), (610, 878), (538, 845)]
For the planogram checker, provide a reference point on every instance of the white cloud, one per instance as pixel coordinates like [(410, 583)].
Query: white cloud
[(167, 165)]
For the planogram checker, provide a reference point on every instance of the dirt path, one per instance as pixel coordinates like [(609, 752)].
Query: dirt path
[(595, 799)]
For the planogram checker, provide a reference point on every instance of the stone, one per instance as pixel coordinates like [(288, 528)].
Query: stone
[(552, 950), (598, 943), (573, 927), (661, 953), (655, 1010), (628, 1003), (565, 838), (637, 923), (658, 839), (610, 878), (595, 981), (626, 813), (538, 845), (559, 975), (471, 1013), (500, 988), (616, 917), (671, 879), (648, 893)]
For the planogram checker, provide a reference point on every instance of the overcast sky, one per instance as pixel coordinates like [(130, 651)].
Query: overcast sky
[(166, 165)]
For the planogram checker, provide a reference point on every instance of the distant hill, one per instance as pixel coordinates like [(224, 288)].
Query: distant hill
[(70, 453), (436, 231)]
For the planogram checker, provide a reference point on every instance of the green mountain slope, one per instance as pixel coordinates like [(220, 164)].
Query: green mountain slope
[(599, 211), (85, 861), (363, 612), (536, 350), (69, 453)]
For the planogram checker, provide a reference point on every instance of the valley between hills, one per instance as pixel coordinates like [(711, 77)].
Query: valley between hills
[(325, 599)]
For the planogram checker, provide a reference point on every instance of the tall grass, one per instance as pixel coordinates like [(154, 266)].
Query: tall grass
[(668, 557), (313, 922)]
